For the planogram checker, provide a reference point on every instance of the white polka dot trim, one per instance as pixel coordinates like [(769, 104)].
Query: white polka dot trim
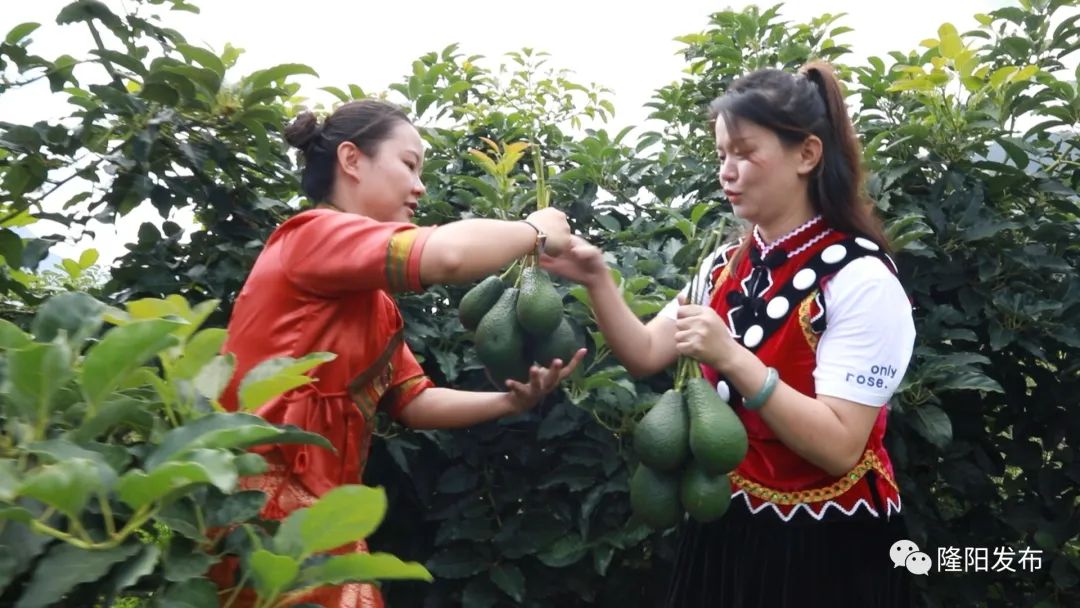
[(723, 390), (777, 307), (833, 253), (867, 243), (804, 278), (753, 336)]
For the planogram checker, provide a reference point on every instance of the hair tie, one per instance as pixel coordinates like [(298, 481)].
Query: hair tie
[(814, 77)]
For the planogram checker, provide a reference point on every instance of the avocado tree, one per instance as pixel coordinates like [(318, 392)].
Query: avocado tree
[(974, 146), (973, 153)]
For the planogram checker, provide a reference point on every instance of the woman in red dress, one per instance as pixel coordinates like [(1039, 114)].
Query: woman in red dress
[(324, 283), (806, 332)]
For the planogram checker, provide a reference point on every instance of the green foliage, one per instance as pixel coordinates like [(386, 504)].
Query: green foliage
[(343, 516), (973, 154), (116, 477), (172, 125), (977, 181)]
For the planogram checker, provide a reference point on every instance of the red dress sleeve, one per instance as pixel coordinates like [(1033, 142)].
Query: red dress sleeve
[(330, 254), (407, 381)]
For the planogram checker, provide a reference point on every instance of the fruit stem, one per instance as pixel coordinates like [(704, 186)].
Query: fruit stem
[(524, 264), (709, 243), (693, 370), (541, 178), (509, 271), (688, 368)]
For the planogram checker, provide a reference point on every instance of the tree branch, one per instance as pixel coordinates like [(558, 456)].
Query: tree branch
[(117, 80)]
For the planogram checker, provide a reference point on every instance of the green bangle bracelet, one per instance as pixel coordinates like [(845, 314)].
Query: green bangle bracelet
[(758, 400)]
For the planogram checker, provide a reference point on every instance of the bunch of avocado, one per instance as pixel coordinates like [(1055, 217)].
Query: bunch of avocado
[(687, 443), (518, 325)]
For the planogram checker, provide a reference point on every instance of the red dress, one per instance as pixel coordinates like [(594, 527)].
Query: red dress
[(323, 284)]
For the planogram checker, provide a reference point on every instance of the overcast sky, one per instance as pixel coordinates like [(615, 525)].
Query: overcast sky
[(371, 43)]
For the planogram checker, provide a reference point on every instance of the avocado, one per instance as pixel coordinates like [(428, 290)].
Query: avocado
[(717, 436), (705, 497), (654, 497), (500, 341), (539, 305), (562, 344), (661, 436), (478, 300)]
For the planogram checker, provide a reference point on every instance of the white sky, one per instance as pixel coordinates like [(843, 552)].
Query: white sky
[(372, 44)]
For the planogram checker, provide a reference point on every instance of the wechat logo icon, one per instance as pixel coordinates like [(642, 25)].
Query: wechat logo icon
[(907, 554)]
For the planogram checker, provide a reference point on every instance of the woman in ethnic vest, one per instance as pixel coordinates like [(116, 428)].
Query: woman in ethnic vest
[(325, 281), (805, 330)]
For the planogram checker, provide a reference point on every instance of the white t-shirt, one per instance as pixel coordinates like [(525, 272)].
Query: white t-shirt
[(869, 332)]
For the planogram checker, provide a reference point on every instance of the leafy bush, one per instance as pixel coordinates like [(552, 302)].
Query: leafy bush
[(116, 478), (973, 153)]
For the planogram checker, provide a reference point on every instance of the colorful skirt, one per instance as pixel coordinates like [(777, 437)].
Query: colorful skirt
[(286, 494), (746, 560)]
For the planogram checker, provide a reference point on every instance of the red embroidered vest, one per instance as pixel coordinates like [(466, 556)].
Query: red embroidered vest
[(774, 305)]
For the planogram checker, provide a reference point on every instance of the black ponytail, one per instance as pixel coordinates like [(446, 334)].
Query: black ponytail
[(796, 106)]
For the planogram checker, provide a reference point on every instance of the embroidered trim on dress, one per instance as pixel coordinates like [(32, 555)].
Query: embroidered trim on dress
[(392, 397), (766, 249), (725, 273), (804, 322), (810, 243), (397, 260), (368, 388), (869, 462), (892, 508)]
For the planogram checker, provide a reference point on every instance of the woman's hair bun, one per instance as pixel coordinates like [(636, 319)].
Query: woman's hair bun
[(303, 130)]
